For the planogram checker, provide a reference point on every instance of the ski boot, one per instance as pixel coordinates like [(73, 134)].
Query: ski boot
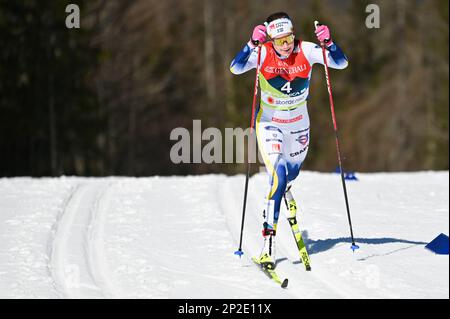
[(266, 259)]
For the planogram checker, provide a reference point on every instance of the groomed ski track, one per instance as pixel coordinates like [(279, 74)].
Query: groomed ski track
[(76, 259)]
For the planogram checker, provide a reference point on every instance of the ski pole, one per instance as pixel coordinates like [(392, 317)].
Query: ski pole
[(239, 252), (327, 76)]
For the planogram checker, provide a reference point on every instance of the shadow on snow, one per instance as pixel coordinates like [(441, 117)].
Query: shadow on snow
[(321, 245)]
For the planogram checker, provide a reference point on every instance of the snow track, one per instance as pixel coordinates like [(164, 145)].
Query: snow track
[(76, 262), (174, 237)]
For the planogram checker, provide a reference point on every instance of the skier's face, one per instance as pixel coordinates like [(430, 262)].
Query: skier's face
[(284, 44)]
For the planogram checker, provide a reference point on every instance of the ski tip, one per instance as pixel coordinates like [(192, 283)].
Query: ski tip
[(284, 284), (239, 253), (354, 247)]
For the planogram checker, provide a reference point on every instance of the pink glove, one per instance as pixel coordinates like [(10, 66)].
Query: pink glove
[(259, 35), (323, 35)]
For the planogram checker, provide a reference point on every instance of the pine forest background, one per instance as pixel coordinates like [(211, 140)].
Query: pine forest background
[(103, 99)]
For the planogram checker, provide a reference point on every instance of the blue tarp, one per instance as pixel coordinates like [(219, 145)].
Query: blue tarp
[(439, 245)]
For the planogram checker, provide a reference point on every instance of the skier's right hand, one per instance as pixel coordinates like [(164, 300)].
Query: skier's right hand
[(258, 35)]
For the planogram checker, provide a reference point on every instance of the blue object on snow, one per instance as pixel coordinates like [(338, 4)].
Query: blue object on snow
[(439, 245), (354, 247), (239, 253), (350, 176)]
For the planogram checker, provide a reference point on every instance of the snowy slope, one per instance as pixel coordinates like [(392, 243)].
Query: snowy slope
[(174, 237)]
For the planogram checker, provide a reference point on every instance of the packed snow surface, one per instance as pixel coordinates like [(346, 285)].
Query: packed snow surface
[(175, 237)]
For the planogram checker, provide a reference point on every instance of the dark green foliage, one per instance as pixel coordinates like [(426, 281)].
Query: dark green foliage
[(103, 99), (49, 117)]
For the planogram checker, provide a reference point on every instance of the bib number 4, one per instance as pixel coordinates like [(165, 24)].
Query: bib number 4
[(286, 88)]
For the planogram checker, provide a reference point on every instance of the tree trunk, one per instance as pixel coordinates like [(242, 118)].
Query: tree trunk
[(208, 16), (52, 126)]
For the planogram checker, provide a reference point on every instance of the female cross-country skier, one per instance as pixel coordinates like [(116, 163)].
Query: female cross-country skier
[(282, 122)]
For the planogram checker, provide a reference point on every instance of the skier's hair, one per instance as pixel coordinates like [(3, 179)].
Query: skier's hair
[(277, 15)]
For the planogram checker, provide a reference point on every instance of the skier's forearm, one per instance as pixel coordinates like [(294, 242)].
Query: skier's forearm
[(338, 59), (243, 60)]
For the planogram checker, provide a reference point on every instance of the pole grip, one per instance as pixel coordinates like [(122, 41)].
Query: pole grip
[(316, 24)]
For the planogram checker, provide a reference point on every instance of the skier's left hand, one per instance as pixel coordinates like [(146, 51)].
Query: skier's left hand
[(323, 35)]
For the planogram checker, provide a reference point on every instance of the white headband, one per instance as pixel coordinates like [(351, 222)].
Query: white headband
[(279, 26)]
